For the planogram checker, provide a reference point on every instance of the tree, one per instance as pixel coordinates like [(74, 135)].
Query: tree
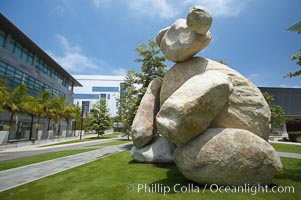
[(3, 92), (77, 117), (222, 61), (12, 102), (152, 64), (68, 114), (136, 83), (297, 56), (55, 110), (277, 113), (128, 101), (34, 108), (99, 118)]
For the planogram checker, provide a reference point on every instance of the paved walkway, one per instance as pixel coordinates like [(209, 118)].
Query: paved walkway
[(18, 176), (289, 155), (31, 150)]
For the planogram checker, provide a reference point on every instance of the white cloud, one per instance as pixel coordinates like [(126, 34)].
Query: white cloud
[(221, 7), (119, 71), (288, 86), (100, 3), (257, 79), (253, 76), (74, 61), (167, 9), (153, 8)]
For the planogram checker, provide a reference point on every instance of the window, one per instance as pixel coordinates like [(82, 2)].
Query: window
[(10, 72), (15, 77), (105, 89), (18, 50), (103, 96), (57, 77), (2, 69), (25, 79), (86, 96), (18, 76), (24, 56), (66, 83), (11, 46), (42, 66), (109, 96), (30, 58), (122, 88), (2, 38), (30, 83)]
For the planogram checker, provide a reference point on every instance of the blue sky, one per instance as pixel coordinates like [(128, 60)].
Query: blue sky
[(99, 36)]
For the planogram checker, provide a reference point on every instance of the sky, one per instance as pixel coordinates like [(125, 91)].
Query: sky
[(100, 36)]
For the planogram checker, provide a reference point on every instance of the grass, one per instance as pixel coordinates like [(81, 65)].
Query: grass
[(112, 143), (117, 177), (39, 158), (109, 136), (287, 148)]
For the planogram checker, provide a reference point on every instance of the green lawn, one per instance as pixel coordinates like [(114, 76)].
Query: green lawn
[(112, 143), (118, 177), (39, 158), (109, 136), (287, 148)]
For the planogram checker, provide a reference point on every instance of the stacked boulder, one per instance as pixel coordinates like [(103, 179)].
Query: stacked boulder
[(204, 116)]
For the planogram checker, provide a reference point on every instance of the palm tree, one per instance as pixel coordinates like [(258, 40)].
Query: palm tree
[(12, 102), (3, 92), (77, 116), (68, 114), (55, 110), (44, 99), (34, 108)]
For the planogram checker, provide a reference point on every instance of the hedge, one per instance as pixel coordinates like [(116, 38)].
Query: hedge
[(294, 136)]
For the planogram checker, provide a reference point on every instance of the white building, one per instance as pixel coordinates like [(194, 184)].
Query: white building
[(96, 87)]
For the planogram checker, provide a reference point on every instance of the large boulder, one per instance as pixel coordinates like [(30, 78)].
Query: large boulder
[(160, 151), (228, 157), (180, 43), (179, 74), (161, 34), (199, 19), (144, 126), (246, 108), (191, 108)]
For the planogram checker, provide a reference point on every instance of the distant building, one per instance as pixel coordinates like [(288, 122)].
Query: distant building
[(96, 87), (24, 62), (290, 100)]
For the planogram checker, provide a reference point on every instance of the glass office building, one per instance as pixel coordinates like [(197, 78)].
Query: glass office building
[(24, 62)]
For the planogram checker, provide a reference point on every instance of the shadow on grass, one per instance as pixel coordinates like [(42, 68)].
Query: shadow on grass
[(175, 182), (290, 172)]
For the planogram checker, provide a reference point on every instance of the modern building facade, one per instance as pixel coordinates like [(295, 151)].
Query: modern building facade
[(24, 62), (96, 87), (290, 101)]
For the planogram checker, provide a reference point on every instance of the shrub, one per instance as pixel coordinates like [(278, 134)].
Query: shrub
[(295, 136)]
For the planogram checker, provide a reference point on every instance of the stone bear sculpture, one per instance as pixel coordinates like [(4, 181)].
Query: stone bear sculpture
[(215, 118)]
